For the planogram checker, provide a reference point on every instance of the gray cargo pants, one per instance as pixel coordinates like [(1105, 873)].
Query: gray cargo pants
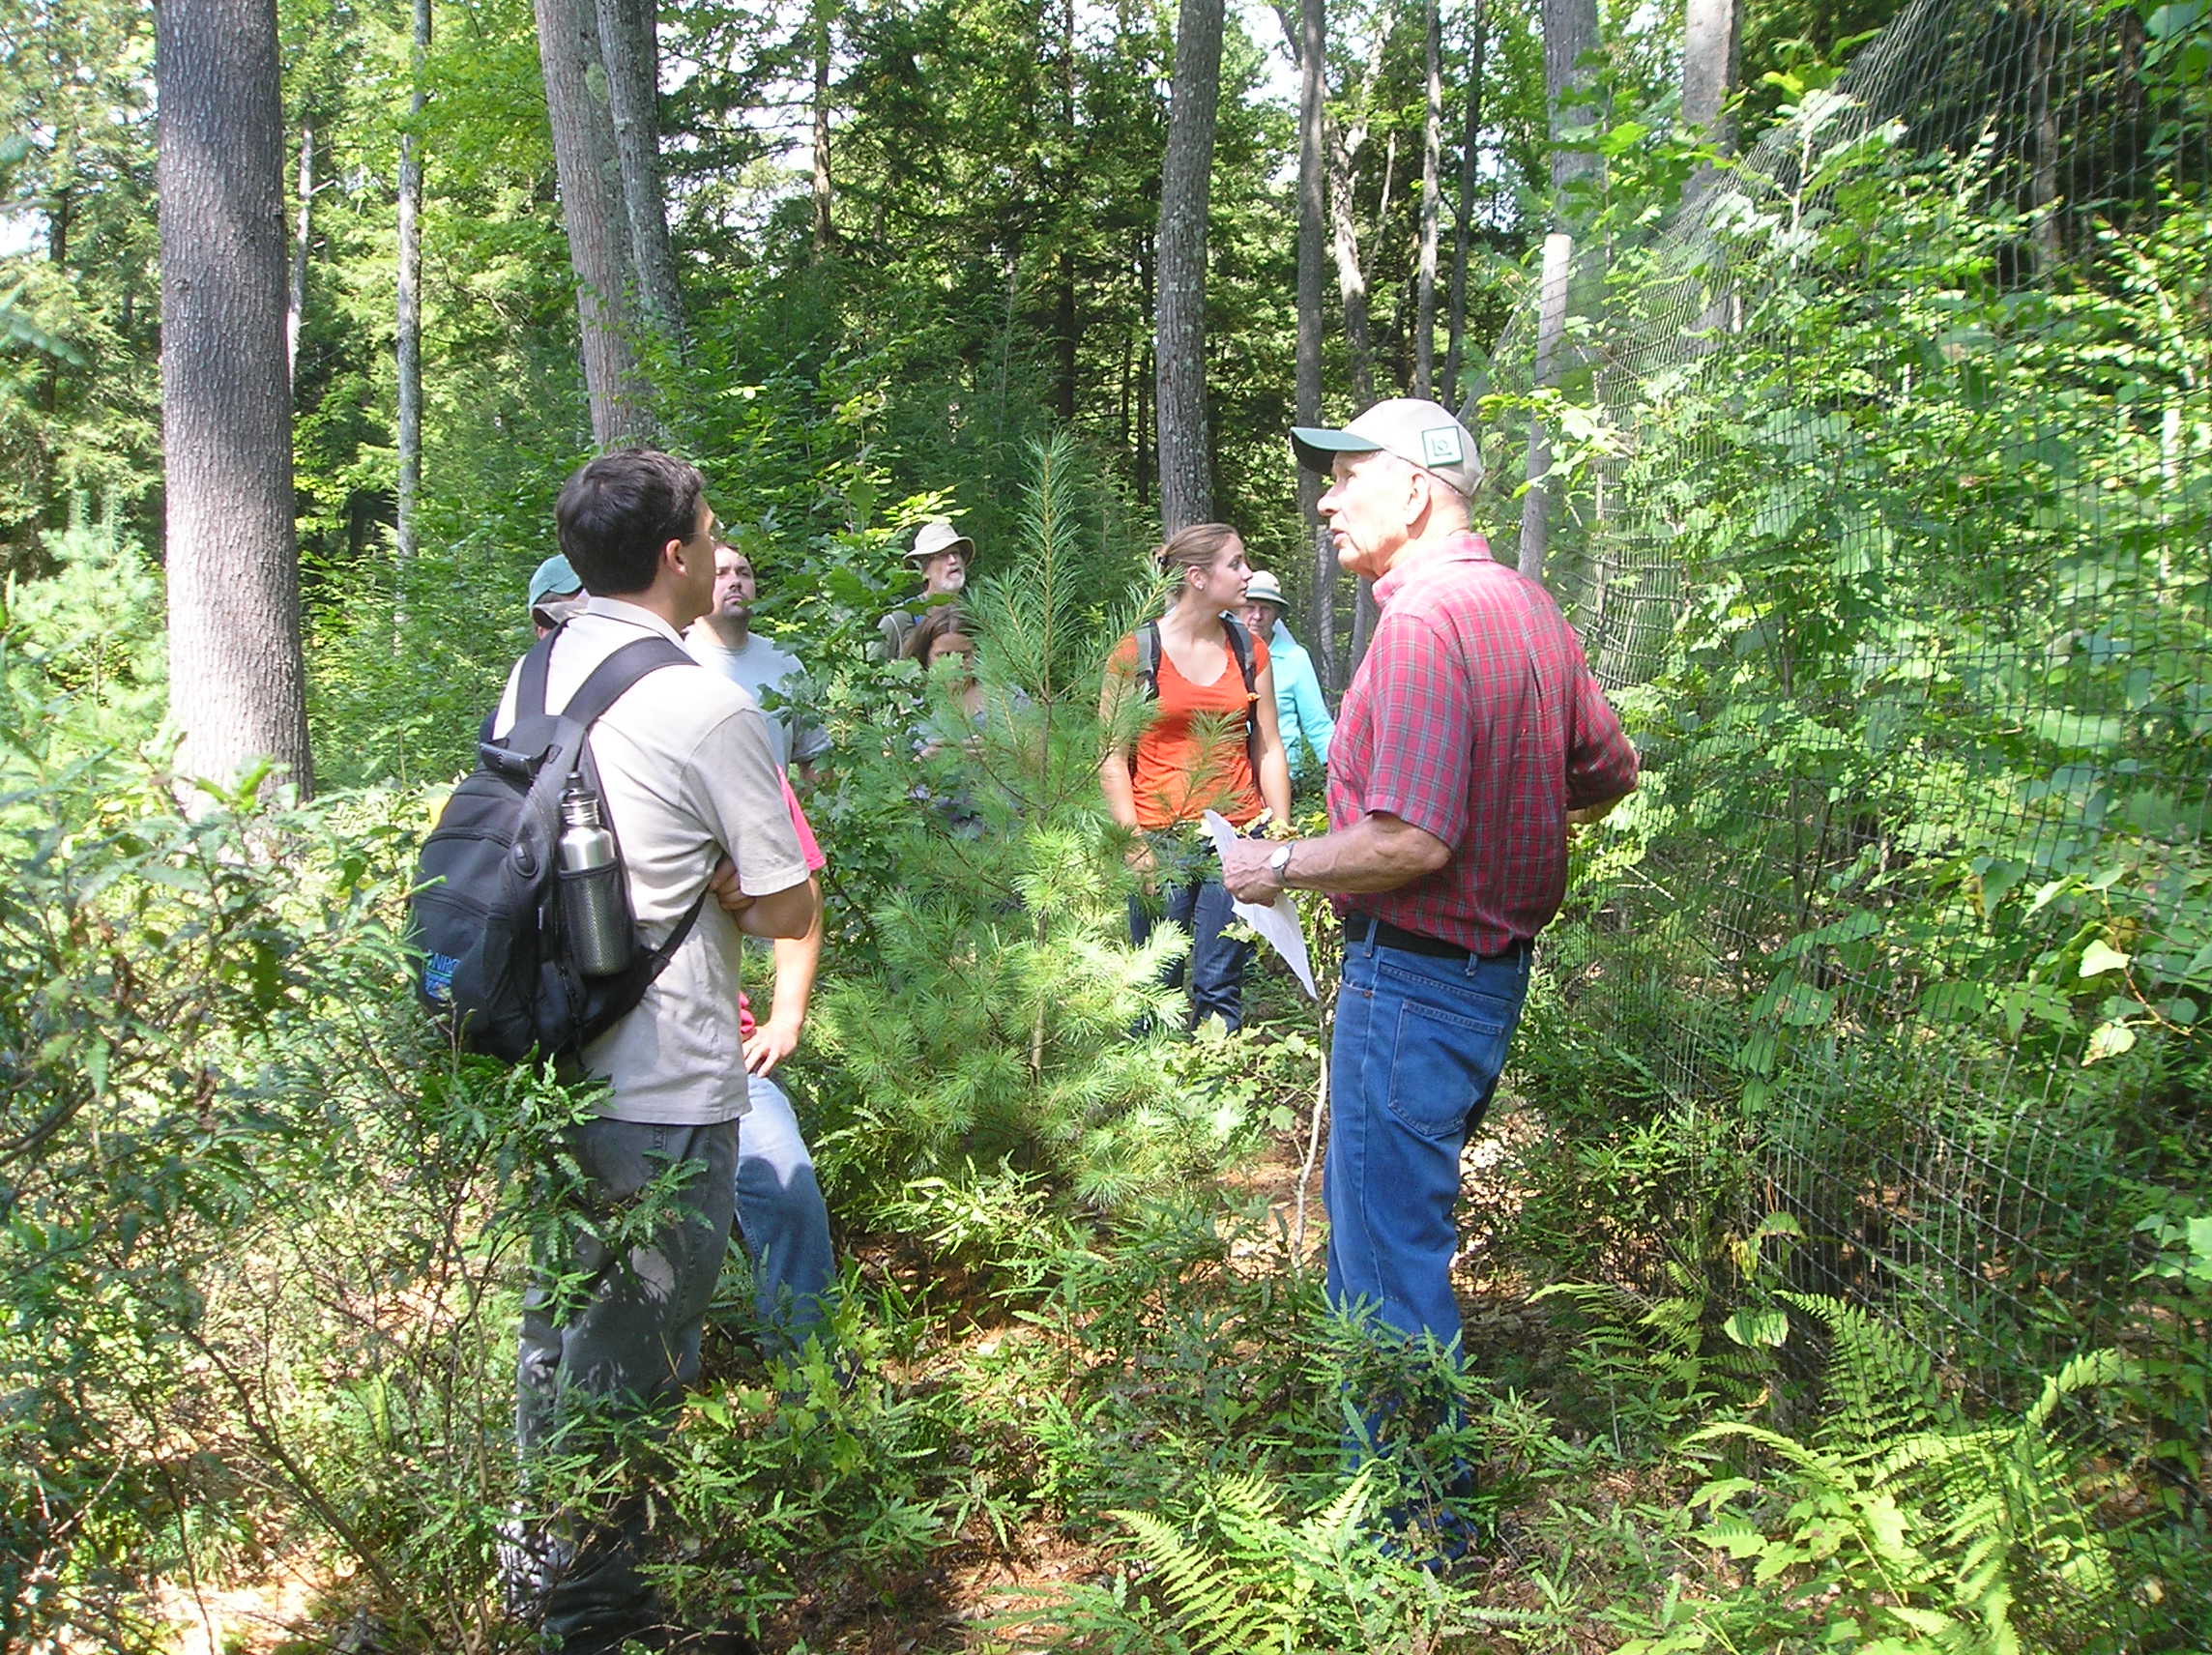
[(625, 1355)]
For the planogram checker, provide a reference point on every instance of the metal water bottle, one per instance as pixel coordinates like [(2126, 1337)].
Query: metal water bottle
[(592, 913)]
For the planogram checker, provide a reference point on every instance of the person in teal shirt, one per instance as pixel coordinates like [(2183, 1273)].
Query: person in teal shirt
[(1303, 714)]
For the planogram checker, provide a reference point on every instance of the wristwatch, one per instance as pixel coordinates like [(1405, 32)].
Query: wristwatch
[(1279, 864)]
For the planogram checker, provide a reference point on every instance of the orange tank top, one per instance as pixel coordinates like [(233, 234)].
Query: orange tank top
[(1192, 757)]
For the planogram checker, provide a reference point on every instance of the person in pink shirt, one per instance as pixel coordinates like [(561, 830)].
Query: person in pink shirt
[(782, 1219)]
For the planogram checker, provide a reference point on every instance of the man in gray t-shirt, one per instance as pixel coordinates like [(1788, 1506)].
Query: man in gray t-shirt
[(686, 771), (723, 638)]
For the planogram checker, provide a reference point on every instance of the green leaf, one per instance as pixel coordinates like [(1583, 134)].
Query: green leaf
[(2100, 957), (1758, 1328), (1952, 1002), (2169, 22), (2110, 1041)]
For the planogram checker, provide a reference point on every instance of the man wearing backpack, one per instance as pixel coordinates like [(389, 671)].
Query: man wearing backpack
[(688, 778)]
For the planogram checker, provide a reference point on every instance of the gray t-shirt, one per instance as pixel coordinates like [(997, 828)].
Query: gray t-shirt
[(761, 666), (688, 775)]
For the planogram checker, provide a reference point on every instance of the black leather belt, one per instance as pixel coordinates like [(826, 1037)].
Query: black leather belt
[(1366, 928)]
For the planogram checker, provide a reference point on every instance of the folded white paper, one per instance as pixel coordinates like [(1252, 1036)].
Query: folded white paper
[(1277, 923)]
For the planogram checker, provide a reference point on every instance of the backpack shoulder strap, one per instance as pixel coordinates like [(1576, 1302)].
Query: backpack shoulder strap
[(1240, 645), (530, 689), (615, 675), (1148, 659)]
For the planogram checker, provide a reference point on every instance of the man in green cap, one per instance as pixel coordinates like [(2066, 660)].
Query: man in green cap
[(555, 594)]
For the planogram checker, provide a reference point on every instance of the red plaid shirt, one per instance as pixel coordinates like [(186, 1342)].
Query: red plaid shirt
[(1474, 717)]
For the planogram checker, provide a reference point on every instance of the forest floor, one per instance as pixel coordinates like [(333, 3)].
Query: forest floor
[(965, 1592)]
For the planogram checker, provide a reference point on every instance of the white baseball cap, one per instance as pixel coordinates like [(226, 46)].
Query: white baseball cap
[(1264, 588), (1419, 432)]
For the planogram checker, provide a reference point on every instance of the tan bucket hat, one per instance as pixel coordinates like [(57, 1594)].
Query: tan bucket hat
[(936, 535)]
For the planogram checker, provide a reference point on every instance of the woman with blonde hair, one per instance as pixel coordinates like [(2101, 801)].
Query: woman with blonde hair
[(1212, 745)]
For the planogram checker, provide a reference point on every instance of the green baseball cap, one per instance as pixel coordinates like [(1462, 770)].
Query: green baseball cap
[(555, 579)]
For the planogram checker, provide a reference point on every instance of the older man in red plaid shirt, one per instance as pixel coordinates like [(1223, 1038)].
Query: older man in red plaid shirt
[(1473, 736)]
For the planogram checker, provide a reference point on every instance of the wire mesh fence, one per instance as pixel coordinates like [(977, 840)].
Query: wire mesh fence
[(1881, 494)]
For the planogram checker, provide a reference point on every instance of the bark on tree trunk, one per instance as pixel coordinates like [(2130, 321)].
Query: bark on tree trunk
[(1350, 279), (1551, 329), (1145, 381), (1570, 37), (303, 233), (629, 49), (1067, 336), (1068, 315), (2048, 237), (237, 682), (407, 342), (1463, 210), (1310, 44), (821, 184), (1343, 150), (1186, 468), (598, 224), (1432, 168), (1710, 29), (1363, 618)]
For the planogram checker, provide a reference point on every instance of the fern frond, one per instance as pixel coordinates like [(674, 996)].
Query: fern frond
[(1206, 1593), (1880, 1384)]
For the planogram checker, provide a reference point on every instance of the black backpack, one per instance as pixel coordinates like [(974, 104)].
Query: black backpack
[(1239, 644), (484, 919)]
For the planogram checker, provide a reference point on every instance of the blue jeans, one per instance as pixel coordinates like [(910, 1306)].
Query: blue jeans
[(782, 1220), (1420, 1044), (1214, 966), (1192, 896)]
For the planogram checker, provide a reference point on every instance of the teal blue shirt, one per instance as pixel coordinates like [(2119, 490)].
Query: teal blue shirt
[(1298, 705)]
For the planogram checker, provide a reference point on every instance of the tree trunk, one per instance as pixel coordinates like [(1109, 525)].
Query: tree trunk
[(58, 217), (407, 334), (592, 208), (629, 49), (1067, 317), (1570, 38), (303, 233), (1350, 279), (1310, 45), (1463, 227), (1709, 30), (1343, 150), (1126, 433), (1550, 331), (1432, 168), (1145, 380), (1068, 339), (237, 682), (1708, 66), (1186, 469), (1363, 618), (2050, 239), (821, 184)]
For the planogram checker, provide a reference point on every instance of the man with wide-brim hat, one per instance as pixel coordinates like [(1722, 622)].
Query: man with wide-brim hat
[(941, 553), (1301, 711), (1469, 739)]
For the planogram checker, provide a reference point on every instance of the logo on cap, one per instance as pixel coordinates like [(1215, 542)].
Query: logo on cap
[(1441, 445)]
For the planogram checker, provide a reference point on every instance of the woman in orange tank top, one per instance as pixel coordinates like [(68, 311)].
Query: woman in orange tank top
[(1194, 756)]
